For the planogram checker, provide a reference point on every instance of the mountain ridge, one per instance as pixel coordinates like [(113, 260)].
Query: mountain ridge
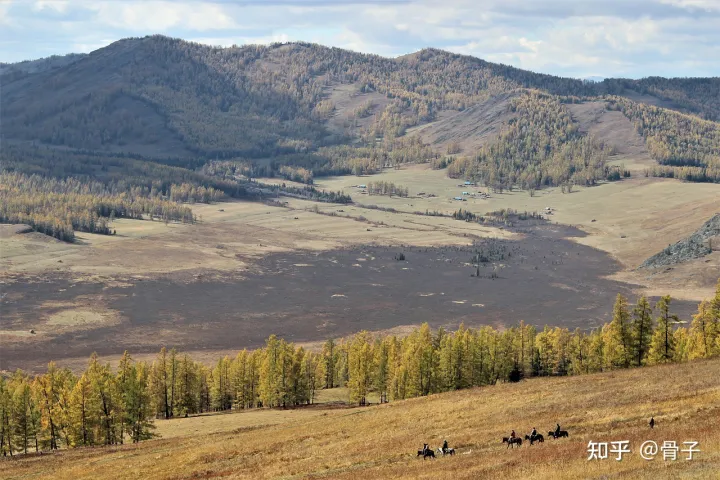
[(326, 109)]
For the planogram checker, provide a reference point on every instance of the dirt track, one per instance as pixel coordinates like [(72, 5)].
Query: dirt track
[(309, 296)]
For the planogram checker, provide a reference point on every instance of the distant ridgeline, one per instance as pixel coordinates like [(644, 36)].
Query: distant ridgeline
[(164, 120), (104, 406)]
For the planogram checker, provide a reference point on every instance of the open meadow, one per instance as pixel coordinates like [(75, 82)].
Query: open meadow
[(380, 441), (313, 270)]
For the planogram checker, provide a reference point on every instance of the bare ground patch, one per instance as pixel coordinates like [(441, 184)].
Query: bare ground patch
[(470, 128), (615, 130), (347, 99)]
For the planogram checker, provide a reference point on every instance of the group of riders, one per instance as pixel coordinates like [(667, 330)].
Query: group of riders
[(534, 433), (427, 451)]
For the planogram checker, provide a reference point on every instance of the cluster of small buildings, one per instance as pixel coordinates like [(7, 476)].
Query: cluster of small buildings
[(465, 194)]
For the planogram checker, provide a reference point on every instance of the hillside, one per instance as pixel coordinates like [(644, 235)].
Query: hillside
[(247, 101), (467, 130), (380, 441), (164, 98)]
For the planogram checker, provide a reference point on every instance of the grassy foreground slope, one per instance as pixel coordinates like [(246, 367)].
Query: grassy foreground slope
[(380, 441)]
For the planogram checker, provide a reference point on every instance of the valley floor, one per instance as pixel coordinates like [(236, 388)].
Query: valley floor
[(381, 441), (314, 270)]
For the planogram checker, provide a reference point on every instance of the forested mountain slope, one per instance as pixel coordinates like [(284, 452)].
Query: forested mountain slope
[(691, 95), (248, 101), (162, 97)]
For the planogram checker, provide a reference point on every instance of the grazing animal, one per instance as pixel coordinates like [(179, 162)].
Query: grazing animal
[(560, 434), (426, 453), (448, 451), (535, 438), (512, 441)]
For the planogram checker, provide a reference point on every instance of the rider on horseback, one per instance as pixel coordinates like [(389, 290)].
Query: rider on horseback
[(512, 434), (557, 431), (533, 434), (445, 447)]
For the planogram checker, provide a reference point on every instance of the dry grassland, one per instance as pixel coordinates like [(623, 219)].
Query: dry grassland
[(381, 441), (631, 220), (228, 236)]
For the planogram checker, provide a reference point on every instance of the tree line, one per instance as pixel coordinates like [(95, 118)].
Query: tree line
[(326, 161), (386, 188), (60, 208), (121, 173), (296, 174), (104, 407), (59, 193)]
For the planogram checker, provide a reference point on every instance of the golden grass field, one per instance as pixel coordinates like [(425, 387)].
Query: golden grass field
[(381, 441)]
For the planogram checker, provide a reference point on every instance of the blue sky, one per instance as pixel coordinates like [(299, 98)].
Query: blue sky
[(578, 38)]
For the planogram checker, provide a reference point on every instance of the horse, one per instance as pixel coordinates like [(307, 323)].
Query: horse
[(448, 451), (535, 438), (560, 434), (426, 453), (511, 441)]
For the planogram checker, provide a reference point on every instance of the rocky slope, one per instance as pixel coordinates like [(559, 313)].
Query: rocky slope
[(703, 242)]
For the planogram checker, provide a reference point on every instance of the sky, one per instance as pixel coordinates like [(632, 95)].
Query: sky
[(574, 38)]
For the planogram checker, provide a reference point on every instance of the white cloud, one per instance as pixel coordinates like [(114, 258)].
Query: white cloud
[(60, 6), (4, 7), (230, 41), (698, 4), (161, 16), (87, 47)]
